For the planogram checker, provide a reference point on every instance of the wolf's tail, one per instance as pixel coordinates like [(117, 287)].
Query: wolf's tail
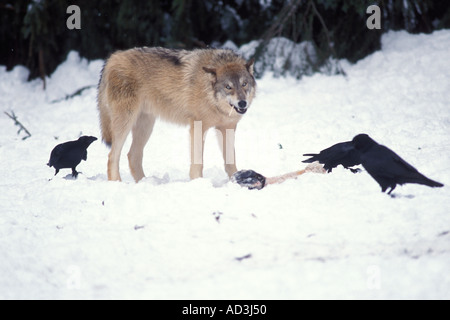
[(105, 117), (105, 125)]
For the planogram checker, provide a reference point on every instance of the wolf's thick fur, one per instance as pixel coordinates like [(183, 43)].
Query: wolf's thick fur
[(213, 87)]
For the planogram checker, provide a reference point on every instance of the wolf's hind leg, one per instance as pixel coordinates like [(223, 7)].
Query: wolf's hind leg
[(141, 132), (197, 134), (121, 127)]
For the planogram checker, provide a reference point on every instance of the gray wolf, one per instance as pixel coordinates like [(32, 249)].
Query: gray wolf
[(203, 88), (68, 155)]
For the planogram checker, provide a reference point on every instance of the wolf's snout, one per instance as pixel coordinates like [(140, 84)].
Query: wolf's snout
[(242, 107), (242, 104)]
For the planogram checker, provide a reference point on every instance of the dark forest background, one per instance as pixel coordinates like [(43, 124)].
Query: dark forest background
[(34, 32)]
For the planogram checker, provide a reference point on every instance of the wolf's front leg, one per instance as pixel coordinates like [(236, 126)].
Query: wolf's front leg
[(226, 137)]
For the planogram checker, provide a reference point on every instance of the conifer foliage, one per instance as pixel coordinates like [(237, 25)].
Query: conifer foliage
[(34, 32)]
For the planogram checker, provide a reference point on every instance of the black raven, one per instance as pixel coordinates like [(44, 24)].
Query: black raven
[(383, 164), (386, 167), (68, 155), (343, 153)]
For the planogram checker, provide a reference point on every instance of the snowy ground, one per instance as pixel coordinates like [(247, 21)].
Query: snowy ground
[(320, 236)]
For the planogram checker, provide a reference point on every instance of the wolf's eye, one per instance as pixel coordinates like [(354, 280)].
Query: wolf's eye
[(244, 84), (228, 87)]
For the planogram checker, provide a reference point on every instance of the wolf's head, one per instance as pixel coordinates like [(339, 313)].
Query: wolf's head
[(234, 84)]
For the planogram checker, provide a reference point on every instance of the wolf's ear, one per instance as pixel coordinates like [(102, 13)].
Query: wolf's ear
[(249, 65), (210, 70)]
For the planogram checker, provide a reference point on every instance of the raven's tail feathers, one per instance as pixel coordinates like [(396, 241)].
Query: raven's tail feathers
[(432, 183), (312, 159), (425, 181)]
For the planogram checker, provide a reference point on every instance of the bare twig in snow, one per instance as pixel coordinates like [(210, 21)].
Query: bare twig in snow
[(19, 124), (76, 93)]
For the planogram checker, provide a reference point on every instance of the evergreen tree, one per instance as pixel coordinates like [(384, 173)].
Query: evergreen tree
[(34, 32)]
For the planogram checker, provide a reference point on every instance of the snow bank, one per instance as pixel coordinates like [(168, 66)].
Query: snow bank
[(320, 236), (282, 57)]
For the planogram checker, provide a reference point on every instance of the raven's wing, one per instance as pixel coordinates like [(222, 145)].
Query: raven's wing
[(409, 174), (389, 169), (68, 154), (343, 153), (381, 166), (56, 154)]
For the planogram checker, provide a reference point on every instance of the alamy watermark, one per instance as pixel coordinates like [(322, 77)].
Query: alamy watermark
[(74, 20), (227, 148), (374, 21), (73, 280), (373, 277)]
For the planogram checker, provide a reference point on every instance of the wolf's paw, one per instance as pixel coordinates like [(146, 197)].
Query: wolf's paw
[(249, 179)]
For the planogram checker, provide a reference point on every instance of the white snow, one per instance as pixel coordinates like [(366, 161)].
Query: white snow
[(333, 236)]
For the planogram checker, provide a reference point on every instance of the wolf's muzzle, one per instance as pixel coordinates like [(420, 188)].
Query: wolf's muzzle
[(242, 107)]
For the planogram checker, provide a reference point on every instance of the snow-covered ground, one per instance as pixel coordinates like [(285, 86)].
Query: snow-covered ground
[(320, 236)]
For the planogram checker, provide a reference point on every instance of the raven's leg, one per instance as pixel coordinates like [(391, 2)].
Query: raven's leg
[(392, 189), (56, 171), (74, 173), (354, 170)]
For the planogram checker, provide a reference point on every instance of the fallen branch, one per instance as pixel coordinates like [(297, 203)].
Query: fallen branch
[(76, 93), (327, 34), (18, 123), (247, 256)]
